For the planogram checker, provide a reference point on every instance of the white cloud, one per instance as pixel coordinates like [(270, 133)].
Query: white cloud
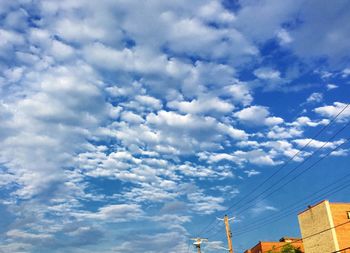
[(14, 74), (16, 18), (16, 233), (251, 173), (257, 115), (277, 11), (256, 157), (227, 190), (150, 193), (54, 122), (306, 121), (284, 37), (138, 59), (191, 129), (331, 86), (16, 247), (254, 115), (8, 39), (278, 132), (61, 50), (219, 157), (346, 72), (149, 101), (243, 144), (284, 148), (318, 144), (341, 152), (315, 38), (203, 172), (77, 30), (213, 11), (202, 105), (131, 117), (240, 93), (331, 111), (262, 207), (114, 213), (161, 242), (315, 97), (183, 34), (312, 40), (267, 74), (205, 204)]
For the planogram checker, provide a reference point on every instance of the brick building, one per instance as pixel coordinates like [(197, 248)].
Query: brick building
[(263, 247), (324, 227)]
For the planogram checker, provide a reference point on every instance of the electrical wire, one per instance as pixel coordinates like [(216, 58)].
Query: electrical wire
[(296, 176), (285, 213), (292, 158), (315, 234), (302, 172), (289, 211), (299, 174), (278, 170)]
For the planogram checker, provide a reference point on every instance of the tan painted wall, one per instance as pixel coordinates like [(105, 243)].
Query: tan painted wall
[(339, 214), (314, 220)]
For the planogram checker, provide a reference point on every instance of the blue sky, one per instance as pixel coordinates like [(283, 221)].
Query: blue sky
[(129, 126)]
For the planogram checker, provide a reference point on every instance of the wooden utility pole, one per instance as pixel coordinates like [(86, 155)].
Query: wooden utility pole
[(228, 233), (197, 243)]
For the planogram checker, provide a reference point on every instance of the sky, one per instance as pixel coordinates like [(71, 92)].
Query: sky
[(130, 126)]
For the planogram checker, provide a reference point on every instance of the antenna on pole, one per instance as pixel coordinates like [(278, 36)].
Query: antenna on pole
[(198, 242)]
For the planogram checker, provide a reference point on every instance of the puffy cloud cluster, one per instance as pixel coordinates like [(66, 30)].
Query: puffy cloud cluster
[(118, 111)]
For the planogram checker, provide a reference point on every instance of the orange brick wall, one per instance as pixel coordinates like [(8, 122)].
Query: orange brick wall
[(339, 214), (263, 247), (266, 246)]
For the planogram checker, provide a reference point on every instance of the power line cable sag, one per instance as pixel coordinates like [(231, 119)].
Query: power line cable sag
[(315, 234), (285, 214), (299, 165), (308, 168), (300, 173), (292, 158), (279, 169), (296, 176), (295, 207), (318, 233)]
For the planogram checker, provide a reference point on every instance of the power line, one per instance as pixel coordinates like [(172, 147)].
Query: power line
[(302, 163), (334, 188), (273, 219), (342, 250), (278, 170), (292, 179), (318, 233), (294, 156), (302, 172), (286, 212), (297, 175)]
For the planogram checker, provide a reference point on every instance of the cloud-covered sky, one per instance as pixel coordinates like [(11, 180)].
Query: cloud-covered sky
[(128, 126)]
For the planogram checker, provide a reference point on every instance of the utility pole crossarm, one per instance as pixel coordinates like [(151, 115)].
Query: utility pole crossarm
[(197, 243)]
